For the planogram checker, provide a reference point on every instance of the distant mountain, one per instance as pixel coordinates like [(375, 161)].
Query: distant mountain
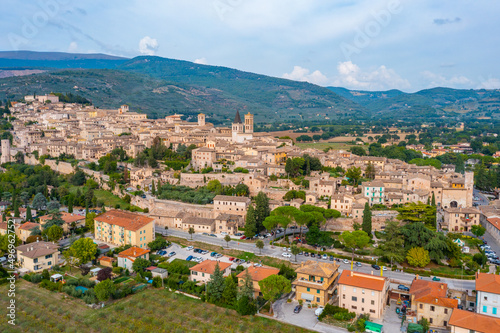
[(31, 59), (435, 102)]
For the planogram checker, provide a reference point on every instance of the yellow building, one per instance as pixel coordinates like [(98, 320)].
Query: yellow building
[(120, 227), (257, 274), (24, 230), (315, 282), (38, 256)]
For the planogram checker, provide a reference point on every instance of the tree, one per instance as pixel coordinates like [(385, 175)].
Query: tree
[(140, 264), (418, 212), (39, 201), (353, 174), (53, 205), (245, 306), (478, 230), (392, 247), (158, 244), (242, 190), (214, 186), (367, 220), (78, 179), (357, 239), (29, 217), (230, 291), (262, 210), (480, 258), (54, 233), (425, 324), (357, 150), (215, 287), (418, 257), (84, 250), (273, 221), (191, 232), (90, 221), (227, 238), (433, 200), (5, 242), (250, 223), (104, 289), (104, 274), (260, 245), (247, 288), (273, 287), (153, 188), (295, 250), (370, 171)]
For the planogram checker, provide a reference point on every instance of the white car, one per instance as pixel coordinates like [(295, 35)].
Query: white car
[(345, 261), (223, 233), (288, 249), (286, 255), (319, 311), (257, 265), (384, 268), (189, 248)]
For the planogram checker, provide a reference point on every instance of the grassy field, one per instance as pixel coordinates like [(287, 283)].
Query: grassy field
[(39, 310), (324, 145), (109, 199)]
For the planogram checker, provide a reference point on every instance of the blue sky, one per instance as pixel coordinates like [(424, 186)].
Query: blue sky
[(357, 44)]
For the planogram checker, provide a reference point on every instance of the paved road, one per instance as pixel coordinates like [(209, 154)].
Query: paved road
[(397, 277), (482, 199)]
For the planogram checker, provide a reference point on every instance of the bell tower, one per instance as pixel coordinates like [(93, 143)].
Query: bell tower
[(249, 123), (201, 119)]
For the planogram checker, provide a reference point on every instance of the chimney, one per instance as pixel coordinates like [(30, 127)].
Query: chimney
[(442, 286), (352, 273)]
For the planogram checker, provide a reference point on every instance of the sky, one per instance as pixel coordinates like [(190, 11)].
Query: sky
[(356, 44)]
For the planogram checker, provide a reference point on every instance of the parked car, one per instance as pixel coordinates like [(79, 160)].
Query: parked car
[(306, 254), (345, 261), (162, 252), (376, 267), (384, 268), (319, 311), (212, 235), (331, 258), (313, 255), (204, 251), (257, 265), (288, 249), (171, 254), (189, 248), (403, 287), (297, 309), (242, 261), (218, 255), (237, 261), (324, 257), (243, 237), (231, 259), (189, 258), (238, 234), (286, 254), (213, 254), (435, 278), (223, 233), (358, 264)]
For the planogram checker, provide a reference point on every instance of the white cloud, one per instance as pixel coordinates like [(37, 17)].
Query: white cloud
[(491, 83), (73, 46), (353, 77), (437, 80), (303, 74), (148, 45), (201, 61)]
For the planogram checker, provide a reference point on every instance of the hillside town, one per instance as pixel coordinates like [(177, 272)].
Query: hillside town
[(350, 281)]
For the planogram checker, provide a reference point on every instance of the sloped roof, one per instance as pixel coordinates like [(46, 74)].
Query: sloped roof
[(208, 266), (127, 220), (488, 282), (37, 249), (133, 252), (259, 273), (321, 269), (362, 280), (431, 292), (237, 118), (474, 321), (28, 226)]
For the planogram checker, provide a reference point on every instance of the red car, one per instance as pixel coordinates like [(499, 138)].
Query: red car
[(231, 259), (243, 237)]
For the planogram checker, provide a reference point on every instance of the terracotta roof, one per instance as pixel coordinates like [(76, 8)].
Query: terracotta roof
[(37, 249), (362, 280), (66, 217), (321, 269), (4, 226), (208, 266), (28, 226), (431, 292), (127, 220), (494, 221), (259, 273), (133, 252), (488, 282), (474, 321), (108, 259)]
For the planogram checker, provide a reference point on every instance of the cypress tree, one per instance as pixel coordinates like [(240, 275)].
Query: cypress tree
[(367, 220), (433, 200), (250, 223), (28, 213), (153, 188)]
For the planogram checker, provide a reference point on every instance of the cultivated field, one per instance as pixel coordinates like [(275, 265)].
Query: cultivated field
[(153, 310)]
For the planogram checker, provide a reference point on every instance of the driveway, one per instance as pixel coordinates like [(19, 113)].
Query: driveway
[(390, 321)]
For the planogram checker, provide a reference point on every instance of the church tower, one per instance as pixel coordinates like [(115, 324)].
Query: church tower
[(238, 127), (249, 123), (201, 119)]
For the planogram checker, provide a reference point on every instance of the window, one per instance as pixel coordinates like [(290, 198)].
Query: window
[(485, 309), (48, 256), (343, 296), (317, 291), (354, 307), (354, 299), (318, 299), (421, 306), (445, 311), (308, 289), (353, 290), (430, 320), (485, 298), (433, 308), (373, 293), (373, 302), (50, 263), (372, 311), (362, 291), (343, 287), (35, 260), (494, 311)]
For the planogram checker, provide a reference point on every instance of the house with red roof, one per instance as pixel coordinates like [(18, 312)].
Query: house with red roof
[(203, 271), (462, 321), (127, 257), (363, 293), (430, 300), (488, 294), (256, 274)]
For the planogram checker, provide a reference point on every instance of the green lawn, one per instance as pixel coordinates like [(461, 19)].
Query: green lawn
[(153, 310), (323, 145), (185, 262)]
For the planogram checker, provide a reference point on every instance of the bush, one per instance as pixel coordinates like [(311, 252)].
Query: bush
[(117, 270)]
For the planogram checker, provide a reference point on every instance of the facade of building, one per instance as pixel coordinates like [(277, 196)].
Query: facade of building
[(315, 283), (37, 256), (24, 230), (126, 258), (257, 274), (363, 293), (462, 321), (203, 271), (488, 294), (120, 228), (231, 205)]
